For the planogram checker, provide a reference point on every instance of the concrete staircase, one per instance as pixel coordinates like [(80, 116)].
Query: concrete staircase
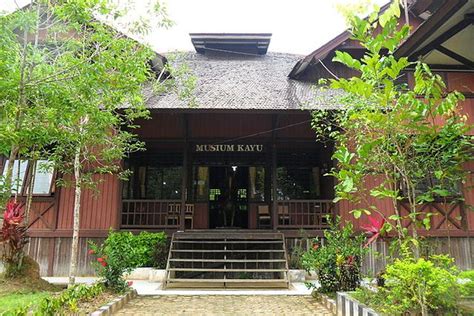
[(227, 258)]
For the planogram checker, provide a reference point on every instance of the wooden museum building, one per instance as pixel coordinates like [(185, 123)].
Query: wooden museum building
[(243, 163)]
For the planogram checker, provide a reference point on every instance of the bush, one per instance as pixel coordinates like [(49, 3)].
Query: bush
[(468, 287), (121, 252), (416, 286), (149, 247), (337, 262), (160, 254), (13, 239)]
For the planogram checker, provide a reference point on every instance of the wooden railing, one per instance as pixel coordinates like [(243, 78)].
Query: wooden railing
[(160, 214), (307, 214), (153, 213)]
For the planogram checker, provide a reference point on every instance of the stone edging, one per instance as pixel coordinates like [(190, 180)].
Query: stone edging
[(329, 303), (116, 304), (346, 305)]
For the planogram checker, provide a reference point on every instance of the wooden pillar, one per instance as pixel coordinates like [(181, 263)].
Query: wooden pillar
[(184, 179), (274, 175)]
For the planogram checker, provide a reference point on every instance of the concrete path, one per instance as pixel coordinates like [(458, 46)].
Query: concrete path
[(155, 288), (224, 305)]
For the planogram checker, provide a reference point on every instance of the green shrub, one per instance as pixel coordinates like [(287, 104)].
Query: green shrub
[(337, 262), (160, 254), (121, 252), (416, 286), (148, 247), (468, 287)]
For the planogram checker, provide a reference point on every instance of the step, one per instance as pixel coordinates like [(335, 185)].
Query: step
[(229, 260), (227, 235), (226, 270), (223, 239), (197, 241), (228, 280), (227, 250)]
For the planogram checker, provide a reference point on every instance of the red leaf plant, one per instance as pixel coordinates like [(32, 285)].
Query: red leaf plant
[(13, 236), (374, 229)]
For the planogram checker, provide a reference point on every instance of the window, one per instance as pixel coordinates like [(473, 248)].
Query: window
[(43, 178), (22, 170), (298, 183), (157, 183), (214, 194), (152, 181)]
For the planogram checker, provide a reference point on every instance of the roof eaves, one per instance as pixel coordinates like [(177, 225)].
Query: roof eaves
[(424, 30), (319, 53), (324, 50)]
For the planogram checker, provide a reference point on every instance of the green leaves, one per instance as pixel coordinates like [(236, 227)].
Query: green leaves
[(343, 155), (393, 11), (357, 213), (346, 59), (393, 141)]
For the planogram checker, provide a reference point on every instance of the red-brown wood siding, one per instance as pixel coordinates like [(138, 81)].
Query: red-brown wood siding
[(201, 216), (229, 125), (161, 126), (99, 208)]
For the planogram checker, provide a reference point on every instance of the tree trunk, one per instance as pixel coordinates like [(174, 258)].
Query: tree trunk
[(9, 174), (77, 208), (416, 246), (407, 14), (31, 186)]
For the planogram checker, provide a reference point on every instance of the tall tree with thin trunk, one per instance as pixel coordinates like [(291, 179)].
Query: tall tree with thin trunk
[(71, 87), (413, 140)]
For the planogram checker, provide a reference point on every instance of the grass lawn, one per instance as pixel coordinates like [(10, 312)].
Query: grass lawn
[(10, 301)]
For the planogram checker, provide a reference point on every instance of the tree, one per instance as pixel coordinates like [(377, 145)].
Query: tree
[(393, 132), (70, 89)]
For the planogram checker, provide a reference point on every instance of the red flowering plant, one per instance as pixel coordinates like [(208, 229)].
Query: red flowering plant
[(13, 238), (112, 262), (374, 230)]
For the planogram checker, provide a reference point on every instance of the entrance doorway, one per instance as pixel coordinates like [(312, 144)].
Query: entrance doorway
[(228, 198)]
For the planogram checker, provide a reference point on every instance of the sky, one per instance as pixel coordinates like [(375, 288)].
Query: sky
[(298, 26)]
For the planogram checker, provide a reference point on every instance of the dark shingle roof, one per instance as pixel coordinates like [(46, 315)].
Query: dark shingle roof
[(234, 81)]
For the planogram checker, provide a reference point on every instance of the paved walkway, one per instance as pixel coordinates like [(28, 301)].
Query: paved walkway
[(224, 305)]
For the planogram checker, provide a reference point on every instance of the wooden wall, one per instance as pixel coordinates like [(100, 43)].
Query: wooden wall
[(53, 255), (53, 216), (208, 126)]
